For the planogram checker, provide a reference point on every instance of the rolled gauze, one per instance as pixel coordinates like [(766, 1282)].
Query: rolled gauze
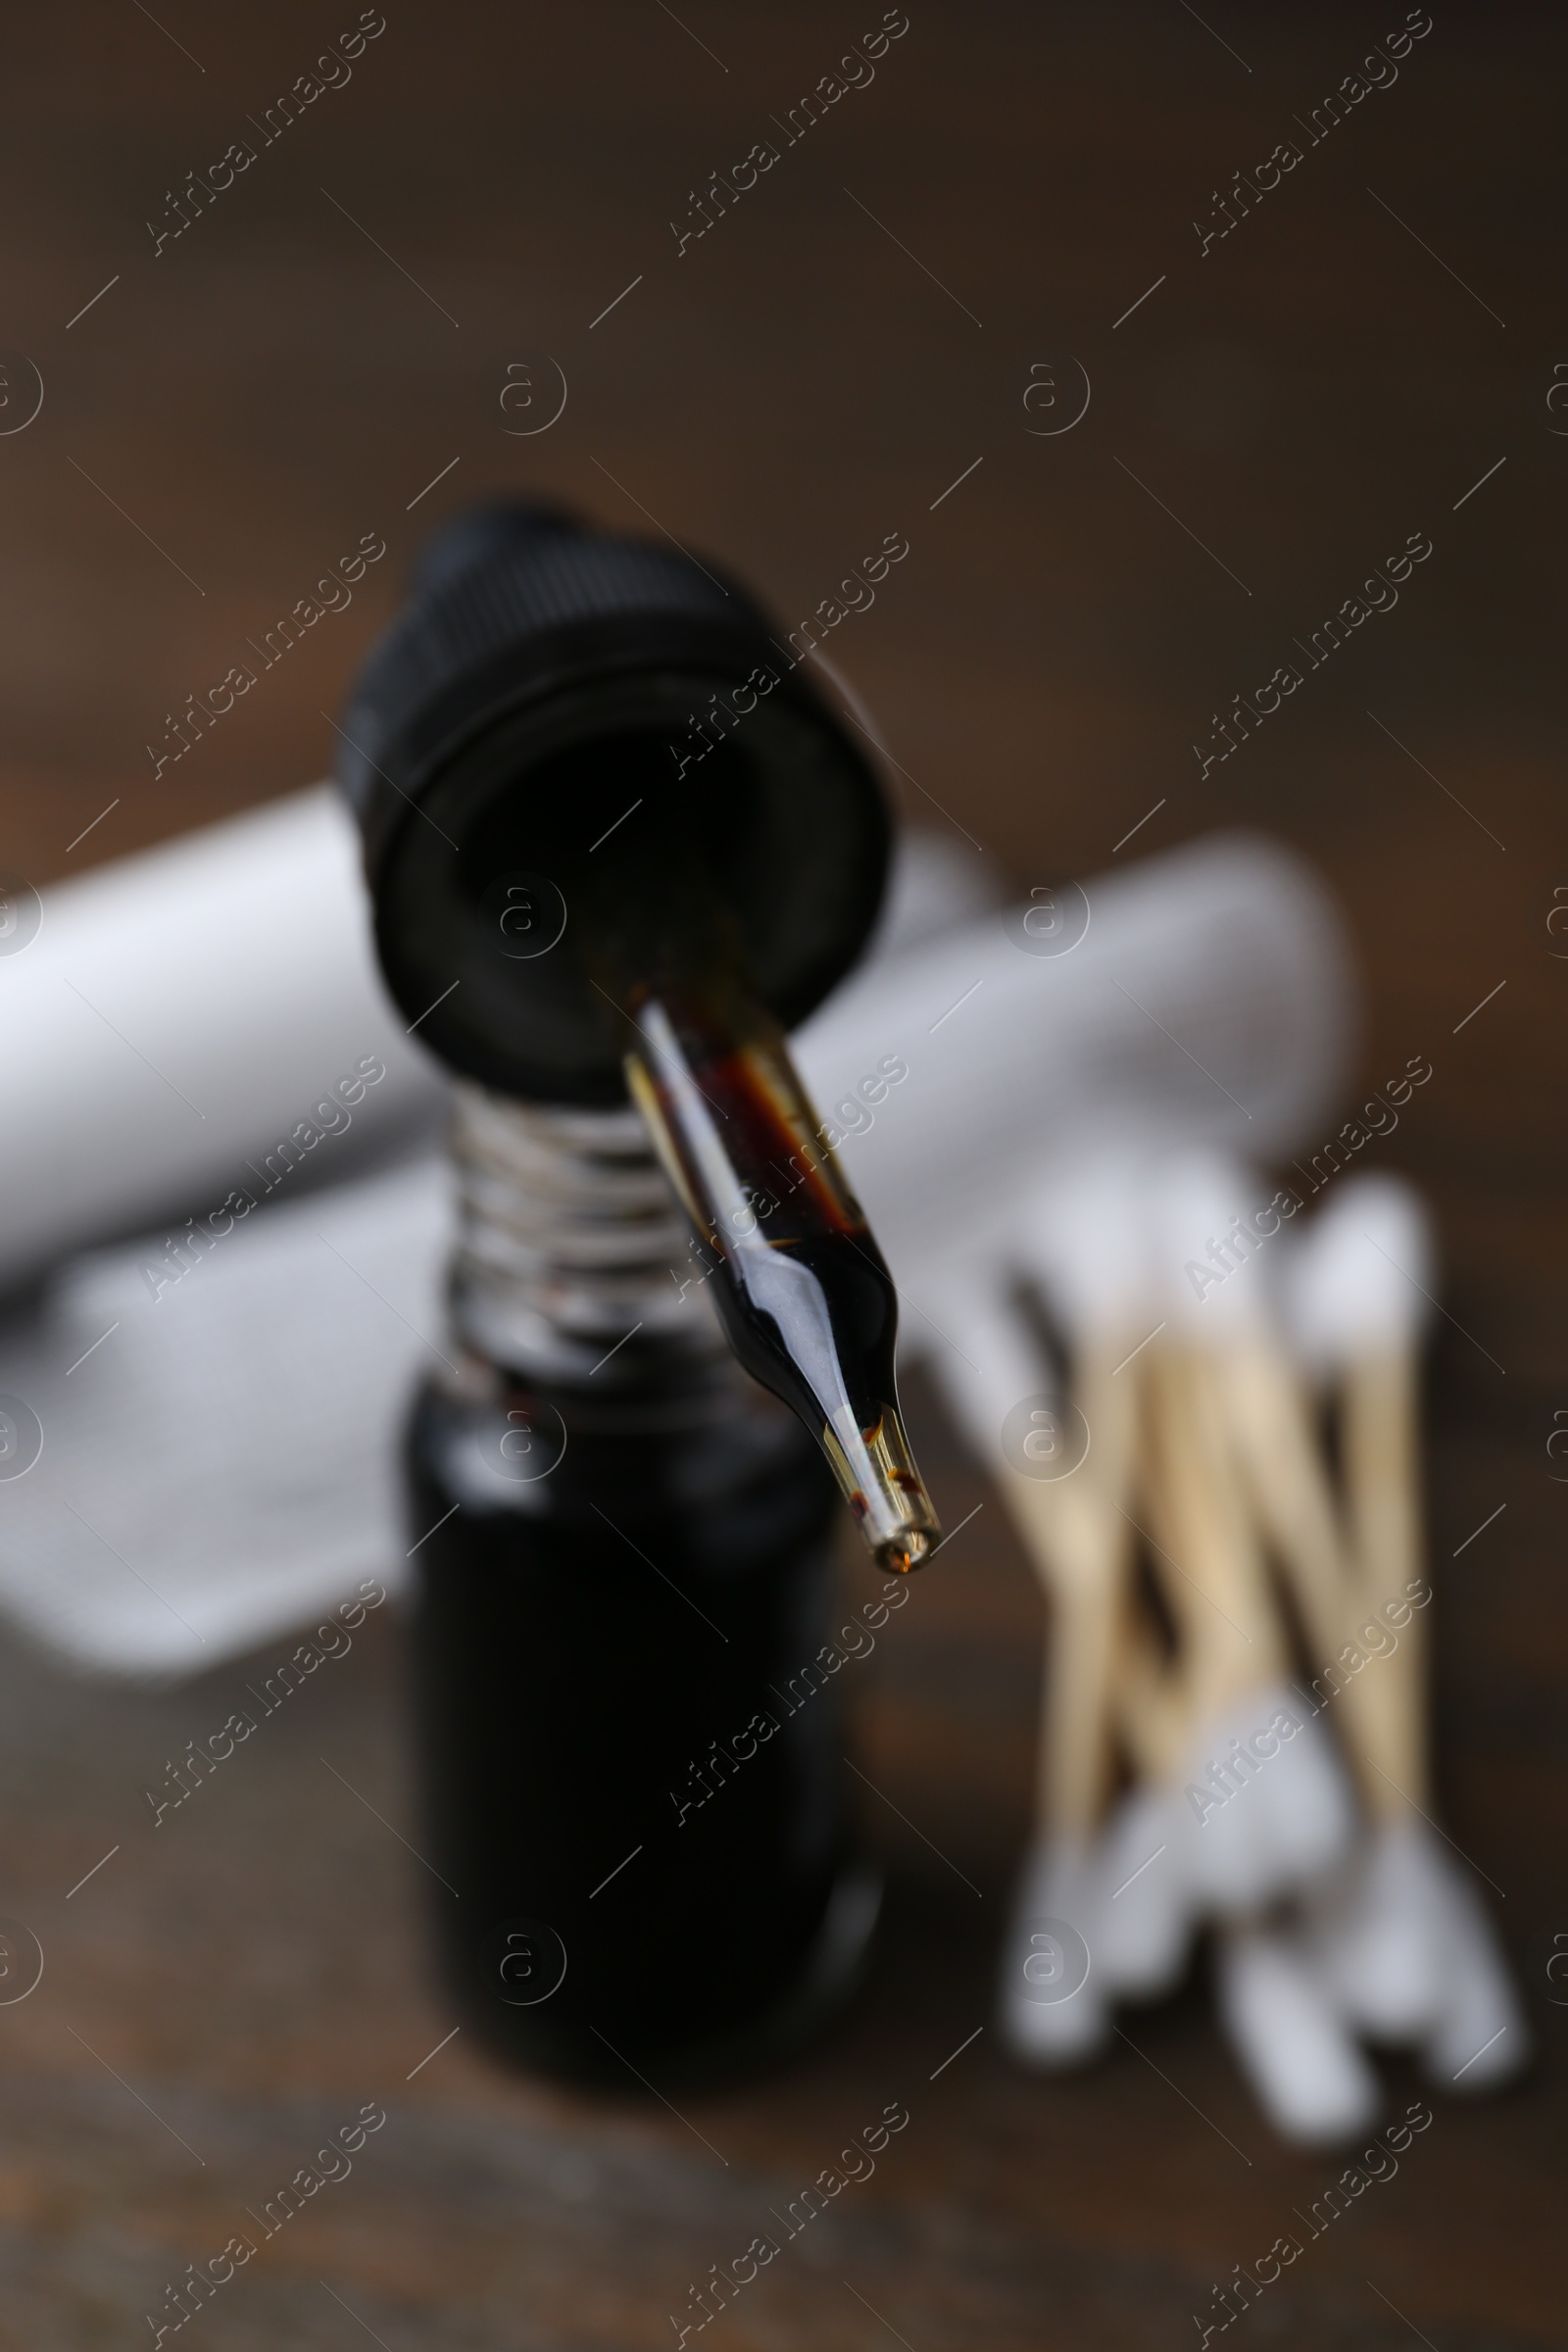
[(178, 1015), (1205, 995)]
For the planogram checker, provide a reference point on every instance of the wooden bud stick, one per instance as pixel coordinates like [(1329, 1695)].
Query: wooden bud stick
[(1381, 1440), (1290, 1488), (1071, 1532), (1287, 1481), (1149, 1699), (1077, 1537), (1209, 1564)]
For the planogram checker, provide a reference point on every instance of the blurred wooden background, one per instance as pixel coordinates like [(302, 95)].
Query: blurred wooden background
[(332, 335)]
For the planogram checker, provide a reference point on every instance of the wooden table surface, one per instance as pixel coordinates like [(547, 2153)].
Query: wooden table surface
[(1369, 352)]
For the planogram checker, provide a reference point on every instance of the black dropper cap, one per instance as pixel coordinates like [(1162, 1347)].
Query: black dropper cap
[(545, 684)]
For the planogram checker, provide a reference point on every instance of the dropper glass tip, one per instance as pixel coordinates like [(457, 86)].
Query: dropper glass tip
[(901, 1555)]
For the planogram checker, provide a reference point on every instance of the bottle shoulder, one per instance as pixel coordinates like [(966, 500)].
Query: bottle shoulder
[(692, 1449)]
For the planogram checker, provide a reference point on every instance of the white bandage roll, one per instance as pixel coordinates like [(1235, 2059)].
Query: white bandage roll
[(177, 1019), (1202, 995)]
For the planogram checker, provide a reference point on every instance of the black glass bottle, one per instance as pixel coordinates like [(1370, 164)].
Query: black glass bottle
[(616, 848), (632, 1758)]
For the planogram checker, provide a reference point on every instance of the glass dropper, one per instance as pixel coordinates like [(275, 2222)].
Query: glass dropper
[(802, 1290)]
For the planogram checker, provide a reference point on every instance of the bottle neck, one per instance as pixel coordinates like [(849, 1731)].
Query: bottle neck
[(573, 1266)]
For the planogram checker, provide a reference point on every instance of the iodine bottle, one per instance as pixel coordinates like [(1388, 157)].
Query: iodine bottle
[(636, 1795), (639, 1833)]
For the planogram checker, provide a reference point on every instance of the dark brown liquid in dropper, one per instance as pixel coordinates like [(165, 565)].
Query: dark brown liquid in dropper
[(801, 1288)]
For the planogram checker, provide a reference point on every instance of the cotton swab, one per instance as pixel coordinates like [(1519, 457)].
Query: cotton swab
[(990, 1368), (1275, 1807), (1088, 1245), (1292, 1816), (1405, 1939), (1309, 2075), (1080, 1237), (1356, 1283)]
